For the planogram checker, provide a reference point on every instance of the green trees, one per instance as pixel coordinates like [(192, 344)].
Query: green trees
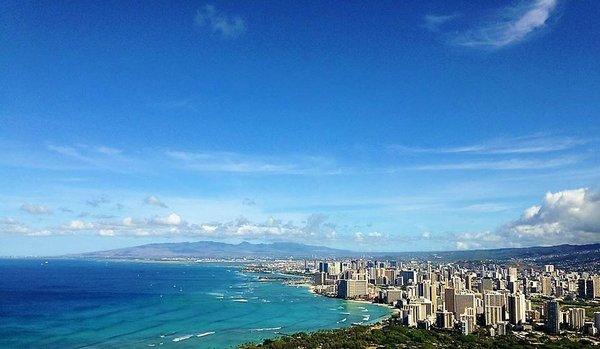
[(392, 335)]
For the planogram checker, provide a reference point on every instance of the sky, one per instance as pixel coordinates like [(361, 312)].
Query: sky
[(384, 126)]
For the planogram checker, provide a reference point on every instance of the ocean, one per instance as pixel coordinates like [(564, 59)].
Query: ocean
[(99, 304)]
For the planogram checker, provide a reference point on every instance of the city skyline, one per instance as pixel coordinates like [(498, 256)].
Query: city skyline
[(372, 127)]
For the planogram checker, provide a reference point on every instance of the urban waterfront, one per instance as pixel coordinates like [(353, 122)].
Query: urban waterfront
[(533, 304), (91, 304)]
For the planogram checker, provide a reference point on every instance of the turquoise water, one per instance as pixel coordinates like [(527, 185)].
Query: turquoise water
[(88, 304)]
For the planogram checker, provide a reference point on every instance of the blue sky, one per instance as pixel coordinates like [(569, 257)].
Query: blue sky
[(372, 126)]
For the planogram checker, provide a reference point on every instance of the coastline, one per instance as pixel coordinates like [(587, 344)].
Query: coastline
[(392, 310)]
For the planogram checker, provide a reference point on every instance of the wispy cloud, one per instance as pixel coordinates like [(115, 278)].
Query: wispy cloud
[(242, 163), (154, 201), (514, 145), (511, 164), (108, 150), (36, 209), (248, 202), (97, 201), (433, 22), (510, 26), (218, 22)]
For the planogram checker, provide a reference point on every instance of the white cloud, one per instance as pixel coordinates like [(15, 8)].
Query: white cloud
[(36, 209), (172, 219), (511, 26), (459, 245), (565, 216), (228, 26), (9, 225), (569, 216), (78, 225), (154, 201), (40, 233), (475, 240), (106, 232), (128, 222)]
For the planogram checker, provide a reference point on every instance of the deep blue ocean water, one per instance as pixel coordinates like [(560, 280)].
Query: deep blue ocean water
[(98, 304)]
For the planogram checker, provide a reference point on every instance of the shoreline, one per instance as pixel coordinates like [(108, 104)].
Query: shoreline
[(392, 310)]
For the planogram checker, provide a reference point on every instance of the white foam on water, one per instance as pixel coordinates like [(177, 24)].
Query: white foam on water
[(182, 338), (266, 329), (205, 334)]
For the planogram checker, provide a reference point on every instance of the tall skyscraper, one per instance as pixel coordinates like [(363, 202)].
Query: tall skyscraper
[(516, 308), (546, 282), (462, 302), (512, 274), (553, 317), (582, 288), (449, 299)]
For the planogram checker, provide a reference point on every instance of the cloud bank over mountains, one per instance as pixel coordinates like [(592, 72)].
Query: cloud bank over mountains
[(569, 216)]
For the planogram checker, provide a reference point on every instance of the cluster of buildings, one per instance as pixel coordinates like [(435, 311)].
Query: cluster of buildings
[(454, 297)]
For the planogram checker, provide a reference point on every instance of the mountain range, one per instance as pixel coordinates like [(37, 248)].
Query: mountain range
[(209, 249)]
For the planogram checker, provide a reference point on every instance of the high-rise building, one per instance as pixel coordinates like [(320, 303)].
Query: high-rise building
[(449, 299), (512, 274), (409, 277), (494, 304), (469, 281), (392, 295), (487, 284), (582, 288), (467, 321), (444, 319), (592, 287), (546, 283), (320, 278), (462, 302), (411, 292), (323, 267), (513, 286), (516, 308), (350, 288), (549, 268), (390, 276), (424, 289), (493, 314), (576, 318), (553, 317)]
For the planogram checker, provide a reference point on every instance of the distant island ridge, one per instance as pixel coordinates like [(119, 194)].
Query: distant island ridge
[(212, 249)]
